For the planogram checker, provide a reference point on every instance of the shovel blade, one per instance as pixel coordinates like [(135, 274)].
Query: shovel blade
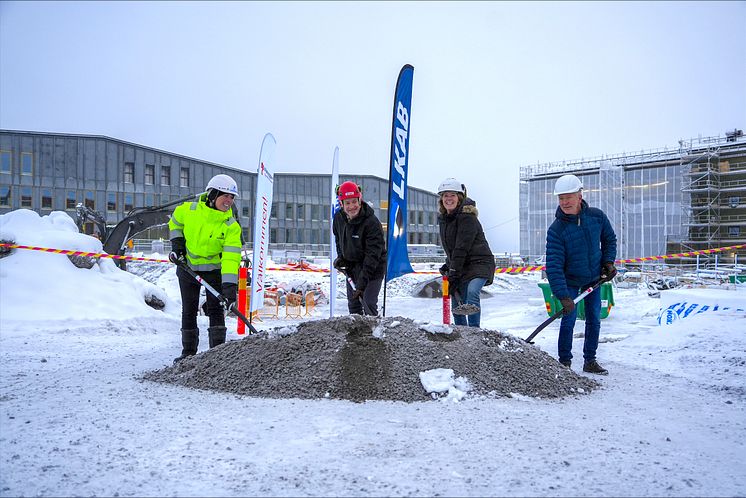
[(466, 309)]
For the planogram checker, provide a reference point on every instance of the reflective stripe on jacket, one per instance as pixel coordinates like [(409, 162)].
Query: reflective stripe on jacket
[(213, 238)]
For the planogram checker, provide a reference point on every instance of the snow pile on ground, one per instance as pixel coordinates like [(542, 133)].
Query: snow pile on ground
[(53, 287), (341, 358)]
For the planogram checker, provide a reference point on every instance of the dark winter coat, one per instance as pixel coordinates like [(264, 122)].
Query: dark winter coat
[(577, 247), (360, 241), (462, 237)]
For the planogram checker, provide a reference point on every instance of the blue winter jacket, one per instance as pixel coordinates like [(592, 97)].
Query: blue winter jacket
[(577, 246)]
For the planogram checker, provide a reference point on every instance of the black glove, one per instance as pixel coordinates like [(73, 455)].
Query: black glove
[(229, 293), (357, 294), (608, 271), (568, 305), (454, 279), (341, 264), (443, 270), (178, 246), (176, 258)]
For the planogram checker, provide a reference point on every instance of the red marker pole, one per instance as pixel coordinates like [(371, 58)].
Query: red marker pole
[(242, 276), (446, 303)]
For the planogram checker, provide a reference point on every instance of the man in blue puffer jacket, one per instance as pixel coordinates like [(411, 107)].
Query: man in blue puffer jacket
[(581, 245)]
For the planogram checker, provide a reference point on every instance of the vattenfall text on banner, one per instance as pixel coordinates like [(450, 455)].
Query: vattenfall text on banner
[(263, 209), (398, 259)]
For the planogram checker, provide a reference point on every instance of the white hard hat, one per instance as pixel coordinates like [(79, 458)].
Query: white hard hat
[(451, 185), (223, 183), (567, 184)]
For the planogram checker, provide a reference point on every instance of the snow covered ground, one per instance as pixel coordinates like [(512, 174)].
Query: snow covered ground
[(669, 420)]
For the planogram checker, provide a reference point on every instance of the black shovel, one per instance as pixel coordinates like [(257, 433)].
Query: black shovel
[(229, 307), (552, 318), (366, 309)]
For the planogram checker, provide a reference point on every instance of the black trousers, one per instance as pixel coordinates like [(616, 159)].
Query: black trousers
[(370, 296), (190, 289)]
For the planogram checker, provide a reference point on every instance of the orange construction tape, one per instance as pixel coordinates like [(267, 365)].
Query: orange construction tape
[(305, 267)]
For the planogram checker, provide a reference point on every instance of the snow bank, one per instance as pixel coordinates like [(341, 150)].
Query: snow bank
[(37, 285)]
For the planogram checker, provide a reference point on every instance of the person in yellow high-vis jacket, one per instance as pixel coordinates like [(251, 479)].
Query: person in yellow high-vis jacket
[(205, 235)]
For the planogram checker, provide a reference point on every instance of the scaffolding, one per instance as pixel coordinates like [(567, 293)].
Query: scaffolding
[(716, 213)]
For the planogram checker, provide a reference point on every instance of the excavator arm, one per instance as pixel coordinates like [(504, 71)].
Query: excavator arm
[(136, 221)]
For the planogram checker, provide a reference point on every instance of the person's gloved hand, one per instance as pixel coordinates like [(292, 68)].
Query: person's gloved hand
[(229, 293), (454, 279), (608, 271), (444, 270), (341, 264), (178, 250), (357, 294), (568, 305), (177, 258)]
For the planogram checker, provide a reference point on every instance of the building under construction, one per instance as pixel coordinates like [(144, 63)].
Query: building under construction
[(662, 201)]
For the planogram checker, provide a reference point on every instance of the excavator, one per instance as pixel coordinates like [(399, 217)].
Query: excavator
[(115, 238)]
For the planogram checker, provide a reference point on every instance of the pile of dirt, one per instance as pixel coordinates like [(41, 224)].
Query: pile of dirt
[(366, 358)]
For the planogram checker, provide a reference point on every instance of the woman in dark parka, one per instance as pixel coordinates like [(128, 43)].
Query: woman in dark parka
[(470, 264)]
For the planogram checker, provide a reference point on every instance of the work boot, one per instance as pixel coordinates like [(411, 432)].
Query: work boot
[(189, 343), (593, 367), (565, 363), (216, 335)]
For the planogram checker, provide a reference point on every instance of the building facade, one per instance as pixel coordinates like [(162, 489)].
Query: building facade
[(661, 201), (48, 172)]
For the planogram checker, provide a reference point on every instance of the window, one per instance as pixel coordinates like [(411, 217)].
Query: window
[(27, 163), (89, 202), (111, 201), (301, 211), (246, 211), (26, 201), (46, 198), (734, 231), (288, 211), (273, 214), (184, 177), (289, 236), (315, 211), (5, 161), (149, 174), (272, 235), (5, 196), (166, 175), (149, 200), (129, 172), (71, 200), (129, 205)]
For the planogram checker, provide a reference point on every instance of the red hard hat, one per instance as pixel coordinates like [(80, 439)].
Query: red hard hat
[(348, 190)]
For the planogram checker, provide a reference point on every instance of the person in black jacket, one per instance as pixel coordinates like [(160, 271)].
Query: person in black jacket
[(470, 264), (360, 245)]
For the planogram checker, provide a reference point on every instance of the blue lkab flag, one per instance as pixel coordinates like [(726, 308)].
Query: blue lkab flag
[(398, 260)]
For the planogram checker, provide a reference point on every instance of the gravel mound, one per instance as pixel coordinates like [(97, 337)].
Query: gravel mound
[(368, 358)]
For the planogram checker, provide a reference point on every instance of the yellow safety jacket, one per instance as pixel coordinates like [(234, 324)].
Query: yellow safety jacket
[(213, 238)]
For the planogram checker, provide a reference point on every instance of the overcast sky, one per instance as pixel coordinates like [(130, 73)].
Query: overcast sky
[(497, 85)]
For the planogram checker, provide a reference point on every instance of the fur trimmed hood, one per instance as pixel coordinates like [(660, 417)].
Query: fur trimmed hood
[(469, 207)]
